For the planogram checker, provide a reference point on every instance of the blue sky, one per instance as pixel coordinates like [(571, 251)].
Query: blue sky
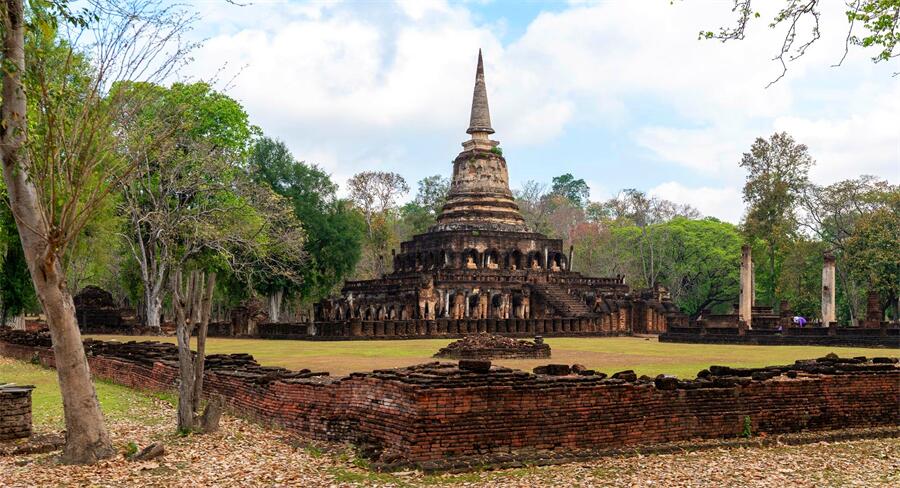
[(619, 93)]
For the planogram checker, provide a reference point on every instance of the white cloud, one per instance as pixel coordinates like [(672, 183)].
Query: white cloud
[(367, 85), (864, 142), (722, 203), (710, 151)]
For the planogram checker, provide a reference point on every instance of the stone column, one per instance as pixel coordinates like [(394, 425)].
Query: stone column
[(873, 310), (829, 314), (745, 305), (571, 257)]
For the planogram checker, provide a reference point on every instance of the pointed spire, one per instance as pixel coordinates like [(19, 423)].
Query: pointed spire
[(480, 120)]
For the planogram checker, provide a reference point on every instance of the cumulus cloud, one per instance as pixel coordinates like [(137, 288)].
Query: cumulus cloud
[(357, 86)]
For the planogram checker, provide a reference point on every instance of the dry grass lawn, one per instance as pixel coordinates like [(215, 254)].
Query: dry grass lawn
[(607, 354)]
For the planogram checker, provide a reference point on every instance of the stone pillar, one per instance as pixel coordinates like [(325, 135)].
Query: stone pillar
[(745, 305), (571, 257), (752, 285), (15, 412), (829, 313), (873, 310)]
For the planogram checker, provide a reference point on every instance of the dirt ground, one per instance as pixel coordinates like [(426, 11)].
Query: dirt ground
[(247, 455)]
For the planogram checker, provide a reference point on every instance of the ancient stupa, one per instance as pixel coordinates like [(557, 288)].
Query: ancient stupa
[(481, 261)]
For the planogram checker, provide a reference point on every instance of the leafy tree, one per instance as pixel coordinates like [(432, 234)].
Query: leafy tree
[(16, 289), (698, 261), (799, 283), (421, 213), (879, 21), (702, 263), (873, 253), (600, 250), (59, 158), (644, 212), (334, 230), (432, 194), (777, 175), (556, 213), (575, 191), (830, 213), (98, 253), (194, 198)]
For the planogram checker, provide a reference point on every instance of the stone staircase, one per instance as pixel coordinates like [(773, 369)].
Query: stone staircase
[(565, 304)]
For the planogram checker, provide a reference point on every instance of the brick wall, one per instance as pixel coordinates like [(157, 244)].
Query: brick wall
[(449, 328), (884, 336), (435, 412), (15, 412)]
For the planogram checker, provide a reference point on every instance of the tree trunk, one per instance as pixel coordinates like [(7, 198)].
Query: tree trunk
[(192, 305), (275, 299), (185, 361), (186, 379), (86, 437), (200, 361), (153, 310)]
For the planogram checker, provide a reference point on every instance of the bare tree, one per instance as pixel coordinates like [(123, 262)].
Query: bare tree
[(533, 205), (375, 193), (59, 166)]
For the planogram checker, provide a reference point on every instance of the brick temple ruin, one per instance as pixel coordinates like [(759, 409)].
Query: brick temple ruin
[(481, 269), (443, 415)]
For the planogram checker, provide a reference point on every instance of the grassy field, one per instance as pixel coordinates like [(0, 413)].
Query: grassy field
[(604, 354), (118, 402), (645, 356)]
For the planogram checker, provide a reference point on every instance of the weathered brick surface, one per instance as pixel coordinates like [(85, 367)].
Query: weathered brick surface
[(887, 335), (436, 411), (15, 412), (492, 346)]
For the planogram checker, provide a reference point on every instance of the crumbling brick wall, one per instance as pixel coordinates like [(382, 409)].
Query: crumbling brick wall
[(434, 412)]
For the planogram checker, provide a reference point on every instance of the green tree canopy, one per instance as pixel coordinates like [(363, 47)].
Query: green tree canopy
[(575, 191), (777, 171), (873, 252), (334, 230), (16, 288), (421, 213)]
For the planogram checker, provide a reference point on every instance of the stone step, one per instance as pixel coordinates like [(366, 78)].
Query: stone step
[(562, 300)]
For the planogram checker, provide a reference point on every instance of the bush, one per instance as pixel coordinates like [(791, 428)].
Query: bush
[(748, 424)]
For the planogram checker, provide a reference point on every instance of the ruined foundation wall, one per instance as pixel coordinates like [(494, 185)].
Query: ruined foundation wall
[(435, 413), (446, 328), (887, 335), (573, 416)]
